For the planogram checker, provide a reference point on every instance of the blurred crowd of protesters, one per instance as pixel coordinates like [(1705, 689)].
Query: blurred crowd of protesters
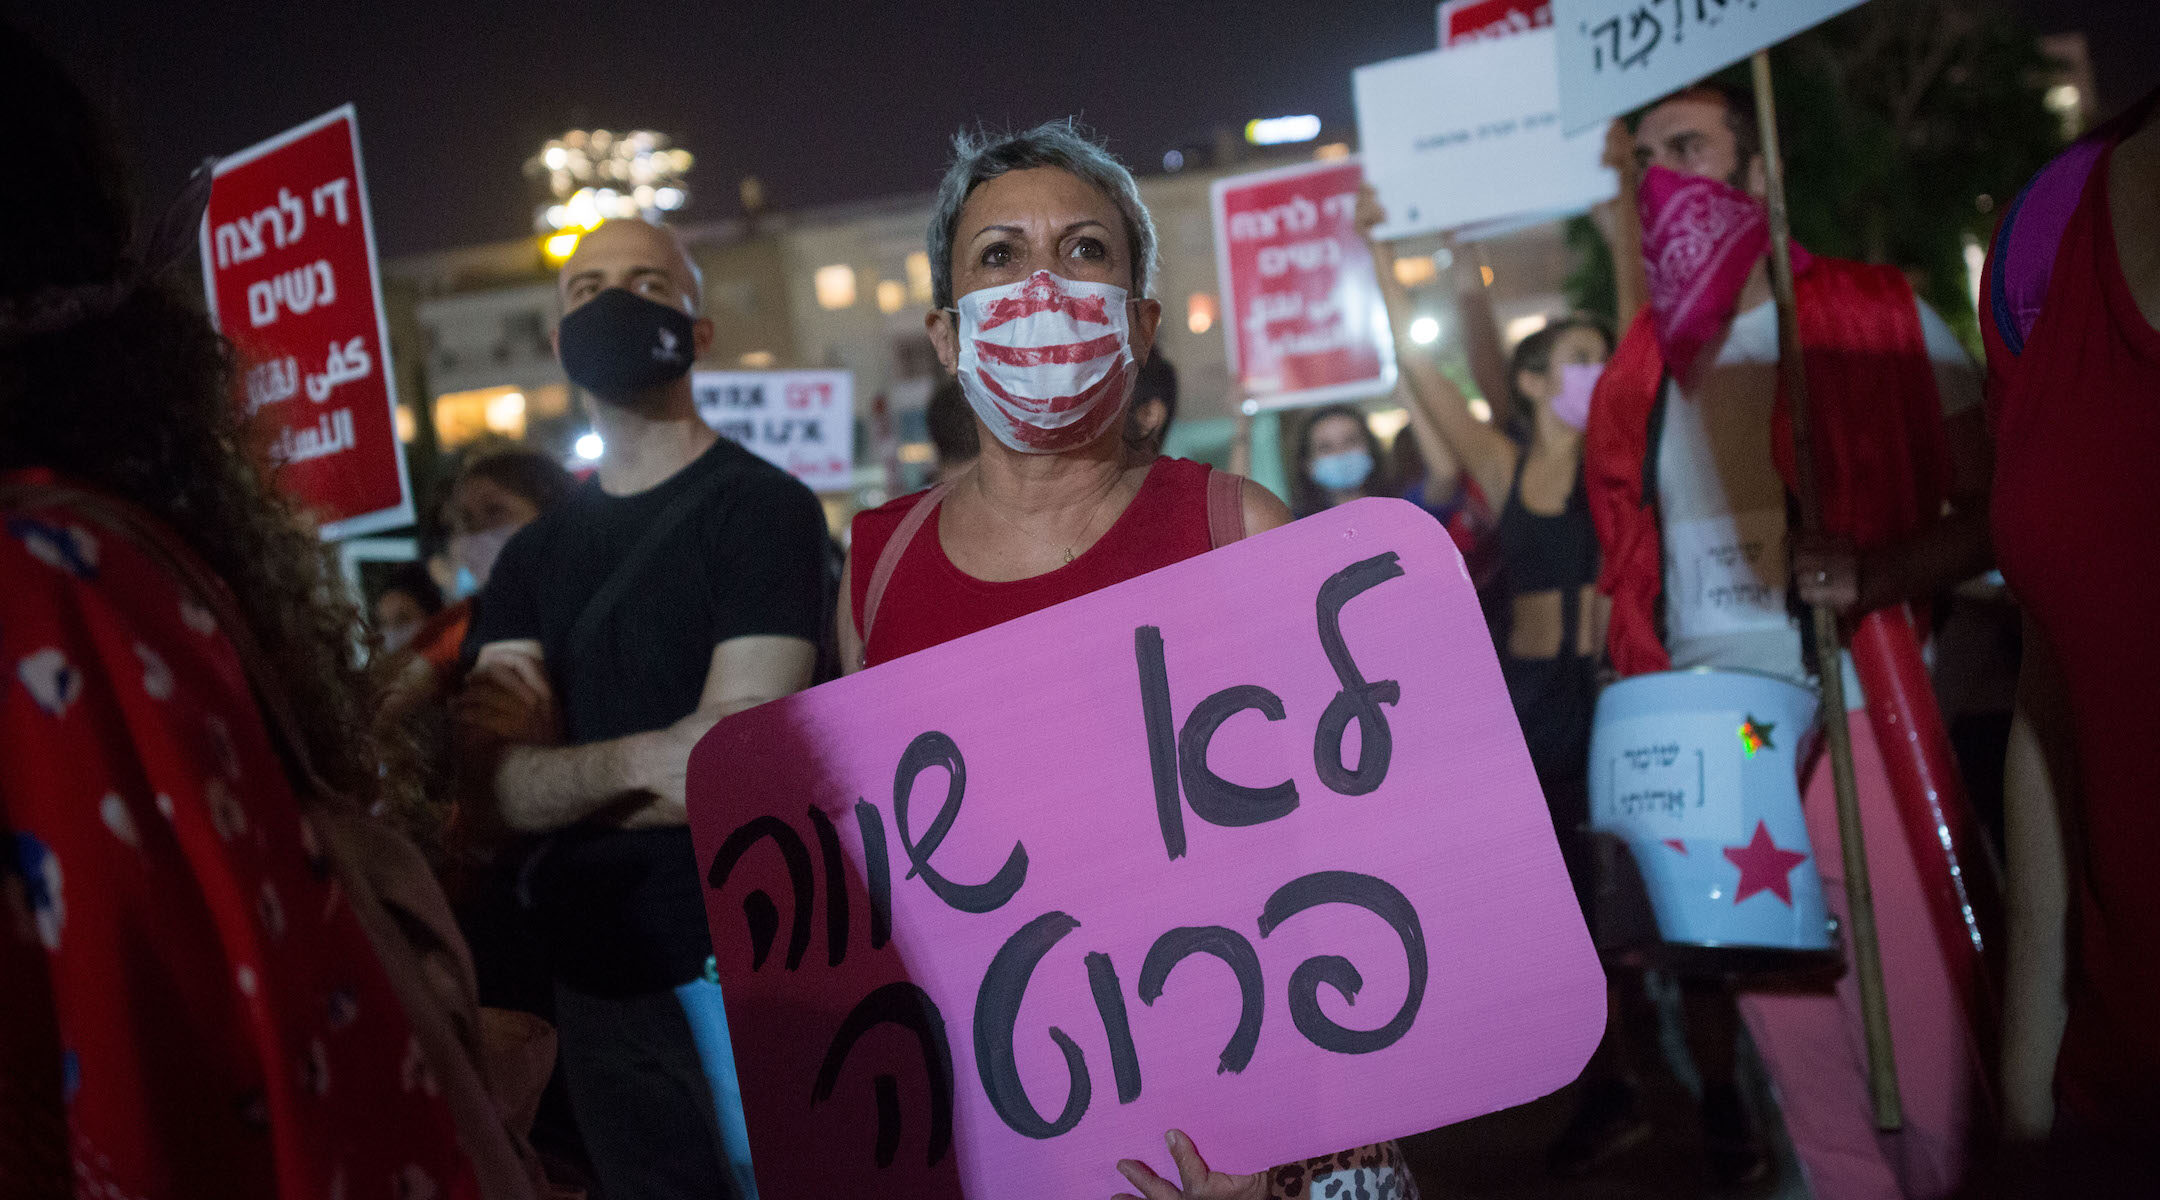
[(211, 806)]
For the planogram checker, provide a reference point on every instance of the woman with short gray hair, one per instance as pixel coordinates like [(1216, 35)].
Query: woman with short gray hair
[(1042, 257), (1041, 260), (979, 157)]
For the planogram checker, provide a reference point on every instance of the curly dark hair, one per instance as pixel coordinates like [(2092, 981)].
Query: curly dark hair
[(137, 401)]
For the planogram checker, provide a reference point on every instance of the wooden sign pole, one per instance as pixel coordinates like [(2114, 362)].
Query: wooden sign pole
[(1859, 896)]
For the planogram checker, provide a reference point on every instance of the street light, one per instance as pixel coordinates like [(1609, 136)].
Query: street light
[(602, 176), (558, 247), (1278, 131)]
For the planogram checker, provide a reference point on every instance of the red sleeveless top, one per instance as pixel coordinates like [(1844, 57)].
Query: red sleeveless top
[(2076, 408), (930, 601)]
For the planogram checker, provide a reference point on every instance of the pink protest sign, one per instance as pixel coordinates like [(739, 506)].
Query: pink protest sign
[(992, 916)]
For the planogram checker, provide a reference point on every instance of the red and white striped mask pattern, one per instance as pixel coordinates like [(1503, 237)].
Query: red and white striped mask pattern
[(1046, 362)]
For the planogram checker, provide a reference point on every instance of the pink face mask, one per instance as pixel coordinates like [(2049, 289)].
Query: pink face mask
[(1046, 362), (1577, 381), (1701, 238)]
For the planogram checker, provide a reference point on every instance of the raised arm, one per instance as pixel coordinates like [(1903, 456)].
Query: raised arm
[(1443, 469), (1619, 220), (1481, 333), (1438, 409), (1240, 433)]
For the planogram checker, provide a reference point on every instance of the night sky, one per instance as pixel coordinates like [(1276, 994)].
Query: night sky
[(823, 103)]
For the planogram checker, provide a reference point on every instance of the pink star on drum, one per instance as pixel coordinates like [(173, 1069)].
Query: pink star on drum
[(1763, 866)]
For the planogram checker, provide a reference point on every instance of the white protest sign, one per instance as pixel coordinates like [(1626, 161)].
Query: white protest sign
[(1472, 134), (800, 421), (1617, 55)]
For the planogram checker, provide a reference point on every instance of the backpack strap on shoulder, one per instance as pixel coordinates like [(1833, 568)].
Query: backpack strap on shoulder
[(1225, 508), (889, 559)]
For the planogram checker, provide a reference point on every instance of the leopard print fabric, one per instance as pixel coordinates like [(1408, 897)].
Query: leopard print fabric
[(1376, 1172)]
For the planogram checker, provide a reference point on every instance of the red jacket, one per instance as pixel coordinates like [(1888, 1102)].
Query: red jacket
[(1880, 456), (1883, 468)]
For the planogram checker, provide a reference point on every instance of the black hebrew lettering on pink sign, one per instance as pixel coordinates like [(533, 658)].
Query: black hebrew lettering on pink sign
[(1254, 827)]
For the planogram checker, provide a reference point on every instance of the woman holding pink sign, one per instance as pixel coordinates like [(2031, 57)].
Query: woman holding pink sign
[(1041, 258)]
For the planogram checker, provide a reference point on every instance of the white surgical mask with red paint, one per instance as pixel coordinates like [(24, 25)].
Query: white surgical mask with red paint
[(1046, 362)]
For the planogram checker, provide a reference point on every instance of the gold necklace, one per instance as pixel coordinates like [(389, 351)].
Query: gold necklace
[(1069, 552)]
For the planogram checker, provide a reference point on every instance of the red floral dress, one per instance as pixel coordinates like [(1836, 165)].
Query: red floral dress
[(187, 1005)]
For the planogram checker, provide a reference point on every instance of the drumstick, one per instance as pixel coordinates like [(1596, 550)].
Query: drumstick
[(1859, 896)]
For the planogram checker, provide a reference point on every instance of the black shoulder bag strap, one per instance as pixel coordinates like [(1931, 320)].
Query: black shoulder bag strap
[(648, 547)]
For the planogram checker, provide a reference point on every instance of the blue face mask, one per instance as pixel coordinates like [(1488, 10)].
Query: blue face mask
[(1341, 472)]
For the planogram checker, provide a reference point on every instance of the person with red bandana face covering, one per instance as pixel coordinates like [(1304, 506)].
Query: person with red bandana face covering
[(1689, 465), (1041, 258)]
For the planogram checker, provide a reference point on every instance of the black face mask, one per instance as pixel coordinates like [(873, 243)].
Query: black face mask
[(619, 345)]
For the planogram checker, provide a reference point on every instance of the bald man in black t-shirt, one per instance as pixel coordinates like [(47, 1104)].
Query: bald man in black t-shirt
[(682, 584)]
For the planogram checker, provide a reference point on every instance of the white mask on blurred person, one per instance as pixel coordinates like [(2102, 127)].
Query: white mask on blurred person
[(1046, 362), (477, 552)]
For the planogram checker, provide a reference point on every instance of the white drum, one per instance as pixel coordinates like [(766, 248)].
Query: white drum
[(1698, 771)]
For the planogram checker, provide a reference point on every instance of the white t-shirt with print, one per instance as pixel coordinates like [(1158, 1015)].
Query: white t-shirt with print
[(1722, 505)]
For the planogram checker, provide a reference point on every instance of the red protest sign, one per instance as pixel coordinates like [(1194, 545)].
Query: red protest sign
[(1302, 312), (288, 253), (1475, 20), (1268, 864)]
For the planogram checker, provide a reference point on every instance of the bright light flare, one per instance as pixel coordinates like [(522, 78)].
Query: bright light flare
[(1279, 131), (1200, 312), (589, 447), (834, 286), (1425, 330), (505, 414), (1416, 270), (602, 175)]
